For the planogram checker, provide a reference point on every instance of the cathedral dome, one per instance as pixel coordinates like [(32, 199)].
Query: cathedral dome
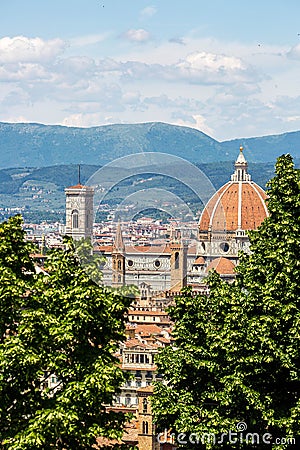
[(222, 266), (239, 205)]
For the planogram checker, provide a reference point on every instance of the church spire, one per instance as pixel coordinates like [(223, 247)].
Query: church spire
[(241, 168), (118, 259), (118, 242), (79, 174)]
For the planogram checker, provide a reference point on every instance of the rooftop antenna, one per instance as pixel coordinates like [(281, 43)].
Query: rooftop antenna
[(79, 181)]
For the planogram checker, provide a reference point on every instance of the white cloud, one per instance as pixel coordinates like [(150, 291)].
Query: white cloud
[(91, 39), (221, 88), (195, 121), (286, 107), (23, 72), (147, 12), (22, 49), (294, 53), (139, 35), (177, 40), (293, 119), (78, 120), (17, 119), (181, 103), (76, 66), (85, 120), (203, 67), (197, 68), (211, 62), (14, 98)]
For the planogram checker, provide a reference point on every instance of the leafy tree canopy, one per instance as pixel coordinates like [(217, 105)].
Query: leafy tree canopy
[(236, 358), (57, 326)]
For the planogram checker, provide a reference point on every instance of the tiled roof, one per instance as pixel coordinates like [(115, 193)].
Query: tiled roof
[(148, 329), (104, 248), (163, 340), (199, 260), (222, 211), (135, 250), (148, 249), (131, 343), (222, 265), (77, 186), (133, 312)]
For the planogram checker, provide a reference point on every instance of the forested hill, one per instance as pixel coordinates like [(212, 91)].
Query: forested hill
[(37, 145)]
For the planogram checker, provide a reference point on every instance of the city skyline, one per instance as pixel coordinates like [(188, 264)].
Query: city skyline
[(225, 68)]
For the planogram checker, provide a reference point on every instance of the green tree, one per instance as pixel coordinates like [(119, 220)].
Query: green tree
[(90, 261), (59, 326), (236, 357)]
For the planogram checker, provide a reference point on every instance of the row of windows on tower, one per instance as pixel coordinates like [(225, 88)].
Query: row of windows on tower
[(119, 265)]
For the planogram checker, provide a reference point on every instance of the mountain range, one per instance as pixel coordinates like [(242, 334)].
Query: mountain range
[(37, 145), (38, 161)]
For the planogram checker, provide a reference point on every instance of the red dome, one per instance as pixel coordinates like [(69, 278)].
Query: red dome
[(238, 205), (222, 266)]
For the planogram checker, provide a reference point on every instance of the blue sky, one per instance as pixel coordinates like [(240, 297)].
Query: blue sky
[(228, 68)]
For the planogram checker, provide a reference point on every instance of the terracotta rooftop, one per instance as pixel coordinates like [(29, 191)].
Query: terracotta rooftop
[(199, 260), (238, 205), (148, 329), (137, 312), (234, 207), (163, 340), (77, 186), (222, 266), (104, 248), (130, 343), (148, 249)]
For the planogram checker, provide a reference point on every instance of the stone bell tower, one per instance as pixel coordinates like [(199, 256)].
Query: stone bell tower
[(79, 211), (146, 430), (178, 264), (118, 259)]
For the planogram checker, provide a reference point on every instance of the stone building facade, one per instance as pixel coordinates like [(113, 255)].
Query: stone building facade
[(79, 211)]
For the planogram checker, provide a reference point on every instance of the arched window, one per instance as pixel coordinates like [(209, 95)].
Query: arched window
[(74, 217), (176, 260), (145, 428), (119, 265), (128, 399), (145, 406)]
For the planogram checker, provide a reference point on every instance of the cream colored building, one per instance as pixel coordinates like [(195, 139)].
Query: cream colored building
[(79, 211)]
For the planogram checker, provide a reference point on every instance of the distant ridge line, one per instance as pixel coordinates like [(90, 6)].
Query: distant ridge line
[(40, 145)]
